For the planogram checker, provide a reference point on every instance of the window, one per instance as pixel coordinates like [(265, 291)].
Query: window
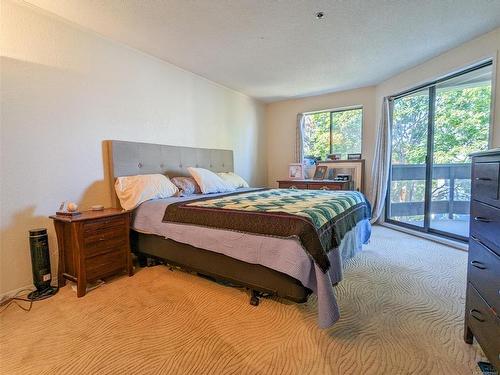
[(333, 132), (434, 129)]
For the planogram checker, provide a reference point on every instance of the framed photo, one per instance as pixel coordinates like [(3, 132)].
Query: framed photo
[(295, 171), (335, 156), (353, 156), (320, 172)]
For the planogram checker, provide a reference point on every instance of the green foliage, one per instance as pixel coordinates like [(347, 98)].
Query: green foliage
[(346, 133), (461, 125)]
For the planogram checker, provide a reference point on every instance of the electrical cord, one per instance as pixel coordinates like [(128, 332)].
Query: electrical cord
[(33, 296), (4, 305)]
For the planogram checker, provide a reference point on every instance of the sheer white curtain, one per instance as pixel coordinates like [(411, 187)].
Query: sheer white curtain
[(381, 164), (299, 137)]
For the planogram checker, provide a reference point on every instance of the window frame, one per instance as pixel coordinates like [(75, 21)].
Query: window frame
[(338, 110), (431, 87)]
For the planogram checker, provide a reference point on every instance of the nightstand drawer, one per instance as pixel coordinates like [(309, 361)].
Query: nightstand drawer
[(485, 225), (484, 273), (103, 236), (484, 324), (102, 247), (108, 224), (107, 264)]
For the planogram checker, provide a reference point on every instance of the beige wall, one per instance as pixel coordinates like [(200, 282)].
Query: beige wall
[(64, 90), (281, 118)]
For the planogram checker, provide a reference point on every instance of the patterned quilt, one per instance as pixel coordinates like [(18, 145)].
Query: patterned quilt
[(318, 218)]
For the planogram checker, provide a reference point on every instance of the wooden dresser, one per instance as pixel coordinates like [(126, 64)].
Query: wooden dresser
[(92, 246), (482, 310), (315, 184)]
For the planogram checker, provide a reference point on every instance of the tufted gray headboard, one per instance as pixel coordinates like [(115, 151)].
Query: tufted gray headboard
[(133, 158)]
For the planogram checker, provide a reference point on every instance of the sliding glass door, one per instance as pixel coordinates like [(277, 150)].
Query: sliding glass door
[(434, 129)]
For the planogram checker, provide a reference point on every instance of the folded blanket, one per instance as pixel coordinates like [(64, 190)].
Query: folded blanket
[(318, 218)]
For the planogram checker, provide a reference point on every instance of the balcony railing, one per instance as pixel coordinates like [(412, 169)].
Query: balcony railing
[(450, 172)]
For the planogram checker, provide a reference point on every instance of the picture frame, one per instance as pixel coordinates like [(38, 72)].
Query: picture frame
[(335, 156), (295, 171), (353, 156), (320, 172)]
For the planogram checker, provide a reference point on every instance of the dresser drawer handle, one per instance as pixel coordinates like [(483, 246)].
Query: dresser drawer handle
[(478, 318), (483, 179), (482, 219), (479, 265)]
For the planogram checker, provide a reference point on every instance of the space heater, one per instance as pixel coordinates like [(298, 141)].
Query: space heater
[(40, 265)]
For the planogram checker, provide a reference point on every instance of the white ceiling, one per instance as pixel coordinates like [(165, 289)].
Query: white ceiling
[(277, 49)]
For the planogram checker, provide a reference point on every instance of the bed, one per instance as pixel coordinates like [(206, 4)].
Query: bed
[(266, 263)]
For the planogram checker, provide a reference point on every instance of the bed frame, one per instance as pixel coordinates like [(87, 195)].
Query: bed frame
[(133, 158)]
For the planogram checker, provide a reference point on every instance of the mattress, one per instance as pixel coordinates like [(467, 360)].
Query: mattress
[(284, 255)]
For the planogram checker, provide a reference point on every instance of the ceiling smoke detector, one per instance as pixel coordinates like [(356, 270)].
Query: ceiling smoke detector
[(320, 15)]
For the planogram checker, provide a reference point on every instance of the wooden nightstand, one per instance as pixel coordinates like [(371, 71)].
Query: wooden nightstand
[(93, 245)]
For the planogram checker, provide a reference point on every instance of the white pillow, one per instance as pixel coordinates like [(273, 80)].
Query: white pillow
[(209, 182), (233, 179), (133, 190)]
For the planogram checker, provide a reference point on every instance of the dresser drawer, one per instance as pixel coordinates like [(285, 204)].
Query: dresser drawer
[(485, 225), (484, 325), (324, 186), (484, 273), (292, 185), (106, 264), (485, 180)]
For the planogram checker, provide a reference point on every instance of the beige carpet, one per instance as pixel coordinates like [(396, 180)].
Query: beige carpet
[(402, 303)]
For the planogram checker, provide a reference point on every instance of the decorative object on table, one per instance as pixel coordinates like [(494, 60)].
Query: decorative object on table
[(295, 171), (93, 246), (342, 177), (310, 165), (97, 207), (310, 160), (320, 172), (353, 156), (68, 208), (334, 157), (354, 168), (40, 265)]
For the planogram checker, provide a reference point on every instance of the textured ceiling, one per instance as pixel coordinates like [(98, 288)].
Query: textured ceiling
[(277, 49)]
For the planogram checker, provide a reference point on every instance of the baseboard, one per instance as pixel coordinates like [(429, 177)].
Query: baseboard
[(11, 293), (444, 241)]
